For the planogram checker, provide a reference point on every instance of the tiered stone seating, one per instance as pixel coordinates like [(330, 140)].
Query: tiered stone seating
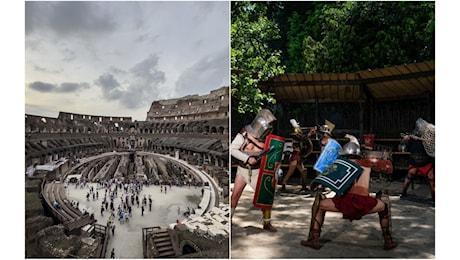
[(71, 218), (51, 195)]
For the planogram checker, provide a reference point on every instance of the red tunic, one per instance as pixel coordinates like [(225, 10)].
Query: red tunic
[(354, 206), (422, 170), (295, 157)]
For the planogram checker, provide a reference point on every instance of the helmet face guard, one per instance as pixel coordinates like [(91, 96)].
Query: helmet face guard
[(426, 131), (261, 126)]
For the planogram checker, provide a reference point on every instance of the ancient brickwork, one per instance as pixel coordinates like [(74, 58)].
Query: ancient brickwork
[(191, 108), (198, 125)]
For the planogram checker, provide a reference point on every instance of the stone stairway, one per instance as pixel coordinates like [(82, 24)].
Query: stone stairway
[(162, 244)]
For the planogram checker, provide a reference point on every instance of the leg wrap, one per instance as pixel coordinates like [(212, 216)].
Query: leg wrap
[(304, 179), (266, 215), (384, 214), (385, 224), (317, 215)]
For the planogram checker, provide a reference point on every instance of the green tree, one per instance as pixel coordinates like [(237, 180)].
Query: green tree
[(252, 58), (370, 34)]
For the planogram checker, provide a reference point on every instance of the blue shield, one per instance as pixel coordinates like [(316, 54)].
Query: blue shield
[(327, 156)]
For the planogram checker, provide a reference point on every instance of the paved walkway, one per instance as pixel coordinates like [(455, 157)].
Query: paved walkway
[(127, 240), (413, 228)]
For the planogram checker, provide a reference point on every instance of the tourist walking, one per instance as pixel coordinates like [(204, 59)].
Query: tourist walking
[(113, 228)]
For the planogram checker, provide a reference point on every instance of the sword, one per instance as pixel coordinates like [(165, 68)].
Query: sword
[(259, 155)]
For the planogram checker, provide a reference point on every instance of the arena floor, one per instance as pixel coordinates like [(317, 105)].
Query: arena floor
[(127, 240), (413, 225)]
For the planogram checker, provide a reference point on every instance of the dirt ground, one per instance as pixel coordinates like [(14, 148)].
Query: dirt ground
[(413, 225)]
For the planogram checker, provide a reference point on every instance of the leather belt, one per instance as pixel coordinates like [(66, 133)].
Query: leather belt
[(253, 167)]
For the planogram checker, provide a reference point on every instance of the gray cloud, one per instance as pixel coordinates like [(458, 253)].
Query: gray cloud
[(42, 86), (69, 54), (146, 81), (65, 17), (68, 87), (111, 89), (147, 69), (108, 44), (65, 87), (206, 74), (147, 37), (107, 82), (143, 81), (116, 70)]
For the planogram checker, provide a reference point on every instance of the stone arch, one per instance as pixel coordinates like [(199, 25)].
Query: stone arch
[(220, 130), (188, 247), (182, 128)]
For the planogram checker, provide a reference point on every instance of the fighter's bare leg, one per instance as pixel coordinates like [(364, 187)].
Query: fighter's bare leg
[(292, 167), (407, 180), (430, 176), (238, 187)]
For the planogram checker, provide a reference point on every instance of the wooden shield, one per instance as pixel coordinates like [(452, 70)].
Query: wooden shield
[(270, 163)]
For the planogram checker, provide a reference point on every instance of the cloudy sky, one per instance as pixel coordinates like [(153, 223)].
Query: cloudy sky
[(115, 58)]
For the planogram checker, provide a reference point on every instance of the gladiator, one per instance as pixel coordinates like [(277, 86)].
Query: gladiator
[(248, 148), (421, 160), (354, 201), (302, 147)]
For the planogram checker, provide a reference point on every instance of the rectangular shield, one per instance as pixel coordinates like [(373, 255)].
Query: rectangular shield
[(266, 183)]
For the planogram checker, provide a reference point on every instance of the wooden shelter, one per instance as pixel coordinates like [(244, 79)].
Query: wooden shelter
[(386, 100)]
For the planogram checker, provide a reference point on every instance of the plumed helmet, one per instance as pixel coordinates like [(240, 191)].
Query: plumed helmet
[(262, 125), (295, 127), (327, 127), (350, 149)]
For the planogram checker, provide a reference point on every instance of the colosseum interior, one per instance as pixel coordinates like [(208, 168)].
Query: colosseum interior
[(193, 129)]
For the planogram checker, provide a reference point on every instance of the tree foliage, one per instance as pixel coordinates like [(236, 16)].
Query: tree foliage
[(252, 59), (350, 36), (268, 38)]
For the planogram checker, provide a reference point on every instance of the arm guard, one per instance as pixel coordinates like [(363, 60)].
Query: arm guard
[(236, 146)]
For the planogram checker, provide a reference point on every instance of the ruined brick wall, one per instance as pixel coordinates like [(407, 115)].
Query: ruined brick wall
[(191, 108), (76, 136)]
